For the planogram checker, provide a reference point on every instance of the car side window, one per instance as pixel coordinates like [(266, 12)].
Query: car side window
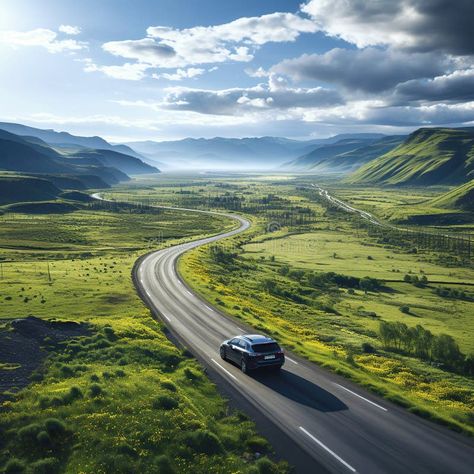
[(234, 342), (243, 344)]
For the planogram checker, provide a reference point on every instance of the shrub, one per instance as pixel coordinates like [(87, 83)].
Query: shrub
[(55, 427), (405, 309), (191, 374), (44, 466), (265, 466), (28, 433), (14, 466), (94, 378), (165, 402), (168, 385), (43, 439), (95, 390), (257, 444), (203, 441), (120, 373), (368, 348), (163, 465), (110, 334)]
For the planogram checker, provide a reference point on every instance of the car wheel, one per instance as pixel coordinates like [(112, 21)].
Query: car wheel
[(222, 352), (243, 366)]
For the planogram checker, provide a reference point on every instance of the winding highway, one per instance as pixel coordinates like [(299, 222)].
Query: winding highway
[(317, 420)]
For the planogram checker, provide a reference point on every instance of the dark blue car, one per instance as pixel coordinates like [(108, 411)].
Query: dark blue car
[(253, 351)]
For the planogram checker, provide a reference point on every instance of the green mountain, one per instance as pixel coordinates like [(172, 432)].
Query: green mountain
[(26, 188), (330, 158), (428, 156), (461, 197)]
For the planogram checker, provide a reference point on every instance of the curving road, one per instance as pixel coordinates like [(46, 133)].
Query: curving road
[(316, 420)]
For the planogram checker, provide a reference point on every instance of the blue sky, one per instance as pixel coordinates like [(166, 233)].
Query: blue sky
[(168, 69)]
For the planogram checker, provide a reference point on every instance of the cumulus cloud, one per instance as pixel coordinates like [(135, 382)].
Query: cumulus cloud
[(457, 86), (275, 95), (369, 69), (166, 47), (421, 25), (41, 37), (69, 30)]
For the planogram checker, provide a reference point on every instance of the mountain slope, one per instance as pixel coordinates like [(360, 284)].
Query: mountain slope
[(428, 156), (352, 160), (63, 138), (461, 197), (325, 153), (26, 188)]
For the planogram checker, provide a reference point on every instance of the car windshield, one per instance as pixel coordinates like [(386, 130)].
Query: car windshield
[(267, 347)]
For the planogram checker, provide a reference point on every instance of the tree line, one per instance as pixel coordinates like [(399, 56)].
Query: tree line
[(422, 343)]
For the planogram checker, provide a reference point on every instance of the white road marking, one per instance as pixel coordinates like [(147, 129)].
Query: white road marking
[(316, 440), (291, 360), (224, 369), (209, 308), (240, 329), (167, 317), (360, 396)]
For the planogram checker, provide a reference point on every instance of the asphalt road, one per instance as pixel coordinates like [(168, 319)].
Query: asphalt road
[(320, 421)]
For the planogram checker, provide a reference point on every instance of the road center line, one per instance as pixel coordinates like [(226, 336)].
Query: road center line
[(291, 360), (360, 396), (316, 440), (167, 317), (224, 369)]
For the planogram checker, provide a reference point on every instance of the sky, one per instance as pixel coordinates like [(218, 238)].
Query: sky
[(169, 69)]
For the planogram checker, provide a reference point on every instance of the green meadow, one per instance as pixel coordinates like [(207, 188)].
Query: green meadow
[(121, 397)]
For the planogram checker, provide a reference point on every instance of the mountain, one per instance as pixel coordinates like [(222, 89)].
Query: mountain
[(256, 152), (461, 197), (325, 153), (26, 188), (352, 160), (52, 137), (428, 156), (125, 163)]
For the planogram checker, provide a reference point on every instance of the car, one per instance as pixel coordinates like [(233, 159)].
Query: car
[(253, 351)]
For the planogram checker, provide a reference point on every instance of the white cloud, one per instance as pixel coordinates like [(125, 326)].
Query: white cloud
[(41, 37), (70, 30), (235, 41), (181, 74), (127, 71)]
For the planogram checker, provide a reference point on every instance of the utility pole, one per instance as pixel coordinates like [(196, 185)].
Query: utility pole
[(49, 274)]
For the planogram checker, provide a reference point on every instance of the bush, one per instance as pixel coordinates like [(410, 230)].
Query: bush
[(110, 334), (368, 348), (165, 402), (405, 309), (44, 466), (257, 444), (55, 427), (28, 433), (162, 465), (191, 374), (265, 466), (95, 390), (203, 441), (168, 385), (14, 466), (43, 439)]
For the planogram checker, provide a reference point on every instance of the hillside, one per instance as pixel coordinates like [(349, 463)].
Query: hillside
[(429, 156), (352, 160), (343, 155), (461, 197), (26, 188), (63, 138)]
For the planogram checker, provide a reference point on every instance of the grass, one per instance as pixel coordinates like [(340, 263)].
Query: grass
[(332, 326), (124, 399)]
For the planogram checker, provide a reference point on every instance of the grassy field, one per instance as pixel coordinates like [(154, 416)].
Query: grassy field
[(268, 285), (121, 398)]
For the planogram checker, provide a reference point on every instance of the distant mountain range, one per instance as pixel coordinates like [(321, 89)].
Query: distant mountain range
[(428, 156), (32, 169), (251, 153)]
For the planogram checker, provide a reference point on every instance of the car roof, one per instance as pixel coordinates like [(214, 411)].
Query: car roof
[(257, 338)]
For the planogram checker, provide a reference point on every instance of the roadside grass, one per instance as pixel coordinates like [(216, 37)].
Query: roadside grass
[(338, 328), (123, 399)]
